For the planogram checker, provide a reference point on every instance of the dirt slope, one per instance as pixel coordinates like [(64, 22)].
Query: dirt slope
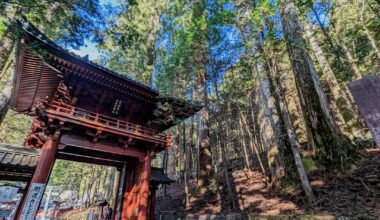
[(355, 194)]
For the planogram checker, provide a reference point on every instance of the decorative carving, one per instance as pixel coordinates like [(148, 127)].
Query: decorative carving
[(37, 135), (42, 128), (97, 135), (63, 93)]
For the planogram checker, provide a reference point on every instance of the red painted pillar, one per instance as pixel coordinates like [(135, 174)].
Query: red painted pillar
[(129, 187), (152, 203), (144, 188), (120, 190), (135, 205), (28, 208)]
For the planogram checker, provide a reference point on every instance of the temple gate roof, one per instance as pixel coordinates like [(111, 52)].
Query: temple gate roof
[(41, 65)]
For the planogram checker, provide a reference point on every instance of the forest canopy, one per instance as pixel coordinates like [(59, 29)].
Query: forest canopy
[(272, 77)]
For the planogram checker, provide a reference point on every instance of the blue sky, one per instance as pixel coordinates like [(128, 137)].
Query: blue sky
[(90, 47)]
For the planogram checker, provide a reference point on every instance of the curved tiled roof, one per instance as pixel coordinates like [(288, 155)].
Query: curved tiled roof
[(29, 28), (158, 176), (17, 163), (41, 66)]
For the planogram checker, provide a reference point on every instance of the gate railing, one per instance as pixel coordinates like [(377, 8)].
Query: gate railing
[(84, 116)]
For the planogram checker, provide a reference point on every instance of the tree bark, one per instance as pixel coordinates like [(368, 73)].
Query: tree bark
[(201, 57), (7, 43), (8, 39), (294, 145), (269, 118), (246, 155), (356, 72), (338, 101), (323, 134), (109, 182), (337, 49), (205, 156), (191, 149), (164, 165), (221, 132), (186, 170), (5, 97), (370, 38), (252, 144), (225, 171)]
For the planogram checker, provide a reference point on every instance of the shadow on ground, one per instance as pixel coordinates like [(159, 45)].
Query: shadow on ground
[(354, 194)]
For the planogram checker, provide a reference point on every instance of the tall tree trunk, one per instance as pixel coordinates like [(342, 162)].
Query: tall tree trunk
[(357, 74), (198, 141), (8, 39), (283, 108), (5, 96), (218, 147), (201, 57), (251, 138), (191, 149), (341, 97), (339, 102), (164, 165), (337, 48), (323, 135), (370, 38), (246, 155), (271, 129), (205, 156), (186, 158), (255, 127), (225, 171), (7, 42), (109, 182), (223, 136), (152, 37), (294, 144), (294, 106)]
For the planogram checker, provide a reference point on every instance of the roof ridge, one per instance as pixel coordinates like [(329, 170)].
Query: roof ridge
[(15, 148), (29, 28)]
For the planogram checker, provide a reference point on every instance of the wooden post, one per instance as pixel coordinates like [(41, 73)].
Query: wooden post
[(120, 192), (136, 193), (152, 203), (126, 203), (27, 209), (144, 187)]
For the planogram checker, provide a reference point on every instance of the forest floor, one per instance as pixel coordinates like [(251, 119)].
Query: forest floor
[(353, 194)]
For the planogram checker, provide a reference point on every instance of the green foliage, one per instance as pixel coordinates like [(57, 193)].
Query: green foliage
[(2, 27), (129, 46), (174, 39), (14, 128), (309, 164), (68, 22), (67, 174)]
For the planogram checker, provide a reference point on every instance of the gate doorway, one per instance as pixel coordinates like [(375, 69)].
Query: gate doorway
[(77, 190)]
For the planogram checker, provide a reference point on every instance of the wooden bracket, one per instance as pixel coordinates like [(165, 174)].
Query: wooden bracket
[(96, 137)]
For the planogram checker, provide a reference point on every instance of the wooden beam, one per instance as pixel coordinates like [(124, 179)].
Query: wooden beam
[(131, 151), (88, 159)]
